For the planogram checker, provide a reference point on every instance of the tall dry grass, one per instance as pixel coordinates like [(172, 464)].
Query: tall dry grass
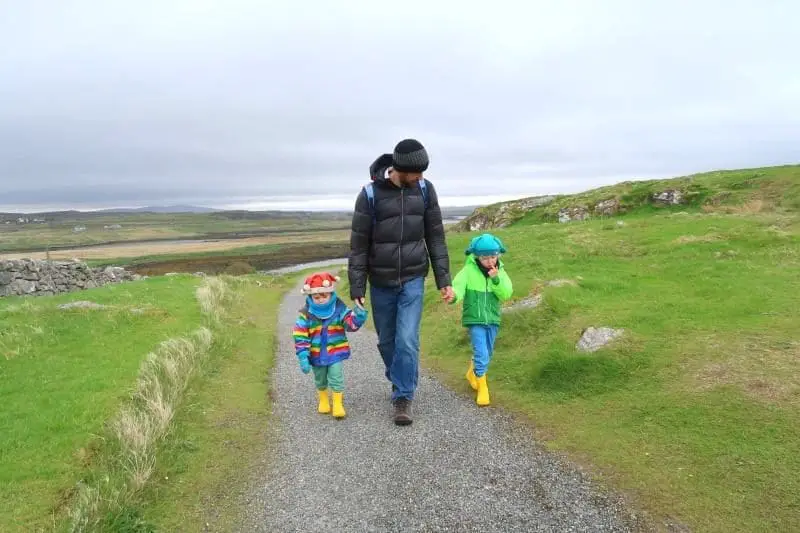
[(146, 418), (212, 296)]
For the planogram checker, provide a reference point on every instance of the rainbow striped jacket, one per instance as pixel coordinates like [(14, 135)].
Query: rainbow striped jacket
[(324, 342)]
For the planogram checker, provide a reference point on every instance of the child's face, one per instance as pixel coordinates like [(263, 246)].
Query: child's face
[(321, 298), (488, 261)]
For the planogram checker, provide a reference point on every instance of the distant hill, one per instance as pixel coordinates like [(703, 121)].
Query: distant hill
[(460, 211), (160, 209)]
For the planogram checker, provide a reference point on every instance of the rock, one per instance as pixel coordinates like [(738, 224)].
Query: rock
[(593, 338), (620, 223), (668, 197), (115, 273), (22, 286), (568, 214), (81, 304), (38, 277), (561, 282), (477, 222), (607, 208), (529, 302), (502, 214)]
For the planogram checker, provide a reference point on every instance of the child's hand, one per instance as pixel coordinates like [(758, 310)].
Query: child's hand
[(360, 312), (305, 366), (492, 272)]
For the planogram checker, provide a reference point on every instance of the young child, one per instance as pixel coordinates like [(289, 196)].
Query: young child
[(482, 284), (320, 340)]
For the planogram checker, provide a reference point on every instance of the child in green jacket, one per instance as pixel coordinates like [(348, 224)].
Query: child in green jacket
[(482, 284)]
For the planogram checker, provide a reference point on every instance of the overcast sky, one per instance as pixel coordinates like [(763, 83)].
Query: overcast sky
[(264, 104)]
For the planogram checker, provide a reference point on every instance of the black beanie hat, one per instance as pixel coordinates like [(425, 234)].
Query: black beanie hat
[(410, 156)]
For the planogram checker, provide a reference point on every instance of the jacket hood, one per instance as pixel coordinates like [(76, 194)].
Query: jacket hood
[(377, 170)]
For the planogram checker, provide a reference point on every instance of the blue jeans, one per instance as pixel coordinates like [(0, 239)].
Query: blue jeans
[(397, 313), (482, 338)]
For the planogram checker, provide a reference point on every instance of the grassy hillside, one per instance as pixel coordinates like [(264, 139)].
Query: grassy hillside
[(121, 418), (695, 410), (747, 190)]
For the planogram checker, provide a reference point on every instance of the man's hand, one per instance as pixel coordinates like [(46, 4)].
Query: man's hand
[(447, 294), (359, 302)]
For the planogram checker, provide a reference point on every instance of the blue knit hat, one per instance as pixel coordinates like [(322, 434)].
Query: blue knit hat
[(485, 244)]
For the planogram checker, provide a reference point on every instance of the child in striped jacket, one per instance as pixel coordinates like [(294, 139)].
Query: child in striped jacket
[(320, 338)]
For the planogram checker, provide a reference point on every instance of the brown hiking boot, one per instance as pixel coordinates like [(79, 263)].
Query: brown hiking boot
[(402, 411)]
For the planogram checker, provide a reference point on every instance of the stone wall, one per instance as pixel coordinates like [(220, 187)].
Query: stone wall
[(40, 278)]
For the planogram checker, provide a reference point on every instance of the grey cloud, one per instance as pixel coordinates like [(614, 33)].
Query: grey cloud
[(169, 102)]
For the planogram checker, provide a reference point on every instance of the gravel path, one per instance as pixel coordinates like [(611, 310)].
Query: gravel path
[(458, 467)]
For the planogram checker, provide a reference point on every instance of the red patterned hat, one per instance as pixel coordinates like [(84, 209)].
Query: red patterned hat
[(319, 282)]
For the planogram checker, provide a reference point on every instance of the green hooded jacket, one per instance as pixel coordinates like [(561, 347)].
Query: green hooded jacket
[(481, 295)]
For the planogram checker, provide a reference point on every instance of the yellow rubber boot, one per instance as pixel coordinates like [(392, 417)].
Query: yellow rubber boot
[(324, 404), (473, 381), (483, 391), (338, 407)]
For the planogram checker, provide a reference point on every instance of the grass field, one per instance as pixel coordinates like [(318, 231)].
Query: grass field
[(63, 374), (66, 377), (58, 232), (123, 253), (695, 412), (238, 261)]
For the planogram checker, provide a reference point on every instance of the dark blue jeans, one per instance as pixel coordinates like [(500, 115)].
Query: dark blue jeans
[(397, 313)]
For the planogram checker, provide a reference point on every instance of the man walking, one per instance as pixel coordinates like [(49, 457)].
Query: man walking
[(397, 234)]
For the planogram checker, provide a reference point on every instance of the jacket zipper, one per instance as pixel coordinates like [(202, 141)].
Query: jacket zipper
[(400, 245)]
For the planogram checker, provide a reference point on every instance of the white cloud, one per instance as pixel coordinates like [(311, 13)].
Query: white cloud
[(168, 102)]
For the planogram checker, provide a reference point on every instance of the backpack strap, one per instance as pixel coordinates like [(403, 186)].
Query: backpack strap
[(369, 190)]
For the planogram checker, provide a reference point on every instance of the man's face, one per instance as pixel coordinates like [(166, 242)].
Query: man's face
[(406, 179), (488, 261), (321, 298)]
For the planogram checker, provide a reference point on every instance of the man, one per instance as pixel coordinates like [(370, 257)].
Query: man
[(391, 241)]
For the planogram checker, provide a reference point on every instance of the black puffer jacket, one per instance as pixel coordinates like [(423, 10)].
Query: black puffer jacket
[(397, 248)]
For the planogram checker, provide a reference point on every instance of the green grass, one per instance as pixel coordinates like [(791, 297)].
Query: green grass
[(695, 412), (277, 257), (775, 189), (66, 374), (62, 374), (58, 231), (220, 435), (155, 258)]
